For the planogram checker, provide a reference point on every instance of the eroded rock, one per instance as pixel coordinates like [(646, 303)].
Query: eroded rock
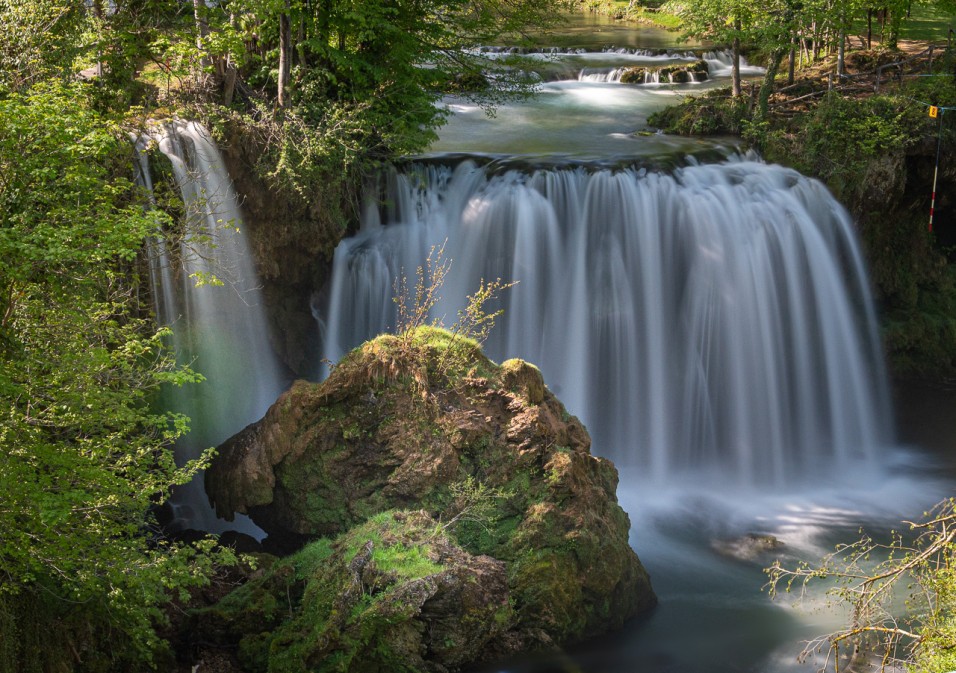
[(403, 424)]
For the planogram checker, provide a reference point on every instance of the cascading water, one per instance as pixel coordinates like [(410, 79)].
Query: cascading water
[(205, 288), (716, 318), (719, 64)]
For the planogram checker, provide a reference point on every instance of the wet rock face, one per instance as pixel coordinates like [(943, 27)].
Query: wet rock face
[(293, 237), (426, 422)]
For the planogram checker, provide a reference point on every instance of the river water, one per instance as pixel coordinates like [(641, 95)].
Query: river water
[(710, 322)]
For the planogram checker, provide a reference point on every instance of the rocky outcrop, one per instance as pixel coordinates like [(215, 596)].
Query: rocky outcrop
[(501, 470)]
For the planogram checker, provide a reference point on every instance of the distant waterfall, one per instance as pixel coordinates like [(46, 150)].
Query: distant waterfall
[(719, 64), (713, 319), (219, 326)]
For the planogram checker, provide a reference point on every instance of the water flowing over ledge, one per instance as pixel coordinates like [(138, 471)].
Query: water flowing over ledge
[(716, 318), (219, 327)]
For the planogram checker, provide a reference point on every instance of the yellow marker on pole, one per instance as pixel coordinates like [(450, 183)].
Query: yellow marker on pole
[(934, 112)]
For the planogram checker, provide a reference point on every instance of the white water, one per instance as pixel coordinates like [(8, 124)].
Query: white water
[(716, 319), (719, 65), (218, 329)]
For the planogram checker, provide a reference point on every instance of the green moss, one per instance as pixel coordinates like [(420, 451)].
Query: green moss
[(341, 626), (548, 593), (715, 113), (522, 378), (634, 76)]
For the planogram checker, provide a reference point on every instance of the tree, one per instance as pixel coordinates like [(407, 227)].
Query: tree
[(722, 21), (919, 566), (39, 40), (83, 454)]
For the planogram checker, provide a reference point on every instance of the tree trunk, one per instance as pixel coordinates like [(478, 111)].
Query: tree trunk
[(736, 60), (300, 47), (895, 21), (869, 29), (202, 30), (841, 54), (285, 56), (766, 88), (791, 66), (98, 14), (230, 74)]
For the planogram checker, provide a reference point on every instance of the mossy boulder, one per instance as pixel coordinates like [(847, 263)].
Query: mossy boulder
[(426, 421), (394, 594), (634, 75)]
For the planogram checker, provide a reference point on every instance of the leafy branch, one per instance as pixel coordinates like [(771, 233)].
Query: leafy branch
[(921, 572), (415, 310)]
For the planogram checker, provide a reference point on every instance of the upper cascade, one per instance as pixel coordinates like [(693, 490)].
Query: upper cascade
[(715, 318)]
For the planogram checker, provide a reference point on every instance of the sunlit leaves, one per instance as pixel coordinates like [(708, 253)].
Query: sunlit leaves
[(83, 455), (39, 39)]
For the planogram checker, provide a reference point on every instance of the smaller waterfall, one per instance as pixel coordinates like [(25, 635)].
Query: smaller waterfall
[(206, 290), (719, 65), (601, 74), (714, 320), (651, 76)]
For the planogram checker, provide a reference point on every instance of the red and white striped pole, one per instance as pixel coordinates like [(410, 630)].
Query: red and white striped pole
[(933, 112)]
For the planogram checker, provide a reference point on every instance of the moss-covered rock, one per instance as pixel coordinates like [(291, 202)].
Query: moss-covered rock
[(635, 75), (426, 421), (389, 595)]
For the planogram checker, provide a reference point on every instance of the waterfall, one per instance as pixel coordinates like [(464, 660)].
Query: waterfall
[(719, 65), (206, 290), (714, 319)]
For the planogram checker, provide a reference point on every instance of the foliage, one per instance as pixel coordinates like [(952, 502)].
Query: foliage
[(84, 457), (435, 349), (842, 137), (474, 321), (345, 601), (871, 577), (39, 40), (366, 76), (473, 503), (715, 113)]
